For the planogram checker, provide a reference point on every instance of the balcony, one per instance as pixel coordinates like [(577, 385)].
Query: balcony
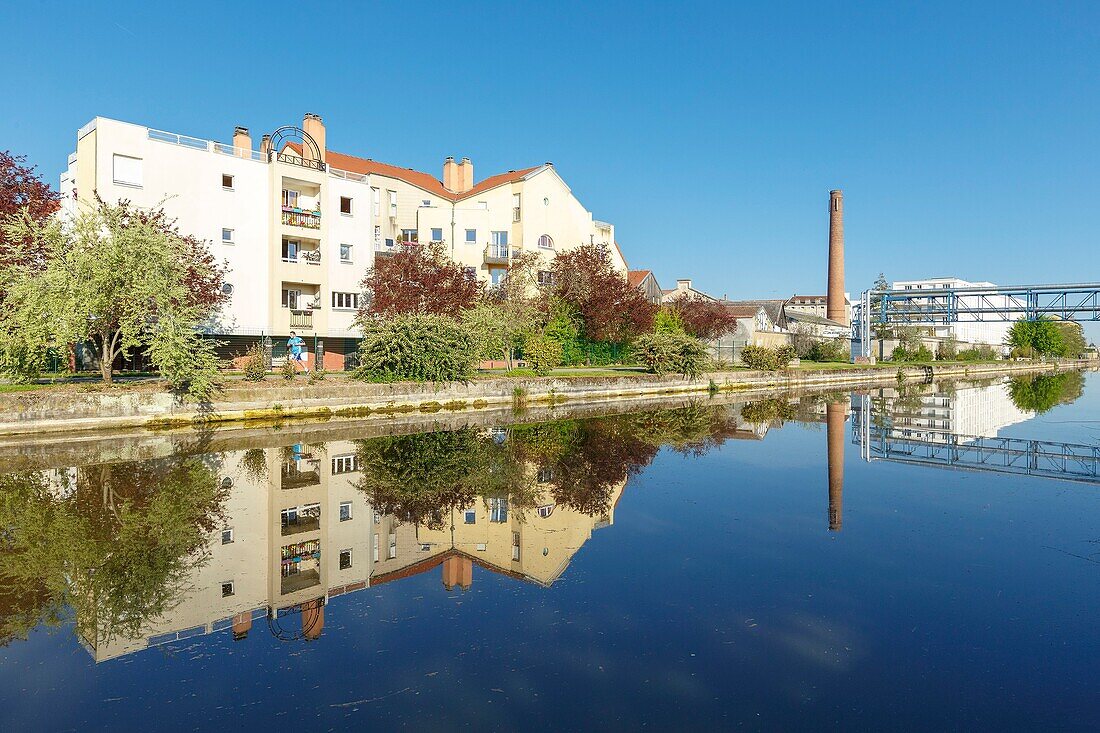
[(496, 254), (301, 218), (301, 319), (303, 162)]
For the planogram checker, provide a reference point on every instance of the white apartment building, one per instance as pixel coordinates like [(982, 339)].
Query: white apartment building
[(299, 225), (991, 332)]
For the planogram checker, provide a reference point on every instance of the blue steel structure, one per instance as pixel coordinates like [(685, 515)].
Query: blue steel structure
[(1070, 302)]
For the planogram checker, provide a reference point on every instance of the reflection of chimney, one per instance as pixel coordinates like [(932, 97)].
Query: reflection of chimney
[(315, 128), (313, 618), (242, 624), (242, 140), (834, 429), (458, 571), (834, 308)]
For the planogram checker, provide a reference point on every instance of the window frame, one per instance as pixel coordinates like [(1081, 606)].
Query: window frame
[(340, 560), (469, 239), (140, 183), (230, 240), (232, 180), (232, 537), (351, 250), (351, 206), (433, 231), (344, 505), (232, 588)]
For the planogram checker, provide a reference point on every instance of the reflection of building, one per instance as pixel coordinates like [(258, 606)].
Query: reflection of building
[(298, 532), (294, 537), (533, 544), (978, 411)]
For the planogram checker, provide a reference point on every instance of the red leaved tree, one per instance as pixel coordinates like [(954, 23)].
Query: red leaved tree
[(702, 318), (610, 307), (22, 188), (418, 279)]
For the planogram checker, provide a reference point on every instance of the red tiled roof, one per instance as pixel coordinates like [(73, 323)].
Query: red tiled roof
[(636, 277), (425, 181), (743, 311)]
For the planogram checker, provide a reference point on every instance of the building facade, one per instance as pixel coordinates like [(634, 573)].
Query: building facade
[(992, 333), (299, 225)]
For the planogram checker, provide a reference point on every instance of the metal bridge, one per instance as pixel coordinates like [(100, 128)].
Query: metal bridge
[(943, 305), (881, 441)]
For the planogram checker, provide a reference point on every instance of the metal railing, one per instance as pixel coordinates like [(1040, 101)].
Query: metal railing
[(301, 319), (310, 256), (347, 175), (496, 252), (195, 143), (301, 218), (316, 165)]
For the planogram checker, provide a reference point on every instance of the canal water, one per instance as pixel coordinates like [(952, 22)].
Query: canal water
[(922, 556)]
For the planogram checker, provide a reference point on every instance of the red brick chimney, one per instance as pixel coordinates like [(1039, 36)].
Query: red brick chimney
[(834, 306)]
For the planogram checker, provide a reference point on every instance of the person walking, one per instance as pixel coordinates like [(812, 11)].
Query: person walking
[(296, 351)]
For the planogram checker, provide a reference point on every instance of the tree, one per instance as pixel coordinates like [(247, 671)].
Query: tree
[(609, 308), (1043, 392), (418, 279), (23, 194), (422, 348), (119, 278), (1073, 339), (880, 330), (702, 318), (1040, 336), (509, 314)]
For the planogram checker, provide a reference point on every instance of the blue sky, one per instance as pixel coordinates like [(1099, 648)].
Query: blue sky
[(966, 136)]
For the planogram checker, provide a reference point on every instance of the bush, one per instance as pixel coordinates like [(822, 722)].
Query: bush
[(982, 352), (317, 375), (288, 371), (829, 350), (665, 353), (543, 353), (422, 348), (784, 355), (255, 366), (919, 354), (759, 357), (947, 350)]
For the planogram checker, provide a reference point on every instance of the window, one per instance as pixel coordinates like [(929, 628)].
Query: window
[(227, 236), (345, 253), (291, 298), (349, 301), (374, 548), (515, 207), (500, 239), (410, 235), (345, 464), (376, 201), (227, 182), (378, 235), (470, 517), (227, 536), (290, 250), (515, 545), (545, 277), (545, 510), (228, 589), (497, 276), (437, 234), (128, 171), (471, 236), (546, 241), (393, 203), (227, 288), (426, 202), (345, 559), (290, 198), (393, 546), (345, 511), (345, 205), (498, 510), (545, 475)]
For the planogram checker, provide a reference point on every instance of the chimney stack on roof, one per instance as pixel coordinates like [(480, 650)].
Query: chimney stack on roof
[(450, 174), (265, 144), (465, 176), (315, 128), (242, 141), (834, 305), (683, 284)]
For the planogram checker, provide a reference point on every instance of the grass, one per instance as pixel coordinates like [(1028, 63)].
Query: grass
[(610, 371)]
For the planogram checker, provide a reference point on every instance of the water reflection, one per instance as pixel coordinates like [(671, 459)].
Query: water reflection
[(140, 553), (952, 427)]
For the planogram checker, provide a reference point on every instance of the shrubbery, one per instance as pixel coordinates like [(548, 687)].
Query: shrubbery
[(766, 358), (422, 348), (920, 353), (830, 350), (255, 366), (983, 352), (542, 353), (667, 353)]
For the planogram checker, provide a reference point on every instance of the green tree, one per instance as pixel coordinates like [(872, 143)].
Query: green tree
[(1040, 336), (119, 278), (1073, 339), (422, 348)]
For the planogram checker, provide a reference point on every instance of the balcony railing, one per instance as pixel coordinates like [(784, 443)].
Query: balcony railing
[(301, 319), (497, 253), (301, 218), (316, 165), (310, 256), (294, 478)]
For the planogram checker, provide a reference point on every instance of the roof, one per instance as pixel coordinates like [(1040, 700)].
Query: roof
[(637, 277), (743, 311), (802, 317), (774, 308), (420, 179), (808, 298)]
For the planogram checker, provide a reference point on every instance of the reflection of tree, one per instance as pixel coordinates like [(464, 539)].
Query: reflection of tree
[(117, 548), (773, 410), (1043, 392)]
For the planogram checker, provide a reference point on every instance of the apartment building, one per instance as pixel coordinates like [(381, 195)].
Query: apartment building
[(815, 305), (299, 224)]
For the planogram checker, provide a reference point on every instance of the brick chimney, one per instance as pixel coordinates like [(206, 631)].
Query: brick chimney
[(834, 305), (465, 176), (834, 437), (315, 128), (242, 140), (450, 174), (313, 618), (265, 144)]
